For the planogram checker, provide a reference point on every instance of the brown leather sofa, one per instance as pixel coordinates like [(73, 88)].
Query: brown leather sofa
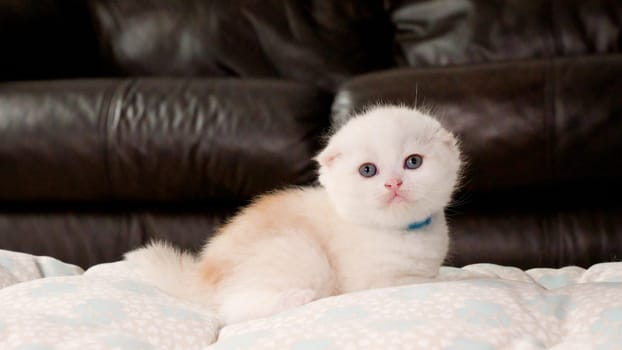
[(123, 121)]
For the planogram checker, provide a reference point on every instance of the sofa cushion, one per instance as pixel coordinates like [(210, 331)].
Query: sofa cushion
[(158, 139), (439, 32), (318, 42), (89, 234)]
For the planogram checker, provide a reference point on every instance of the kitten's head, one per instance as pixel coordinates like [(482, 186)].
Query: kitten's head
[(390, 166)]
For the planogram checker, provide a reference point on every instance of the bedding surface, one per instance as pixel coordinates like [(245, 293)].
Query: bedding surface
[(479, 306)]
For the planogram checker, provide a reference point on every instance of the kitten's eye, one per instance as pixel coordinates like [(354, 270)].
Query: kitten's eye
[(368, 170), (413, 161)]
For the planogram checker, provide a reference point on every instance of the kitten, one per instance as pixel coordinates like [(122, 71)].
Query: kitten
[(376, 221)]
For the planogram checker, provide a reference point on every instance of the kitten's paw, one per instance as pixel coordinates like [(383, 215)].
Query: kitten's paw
[(295, 297)]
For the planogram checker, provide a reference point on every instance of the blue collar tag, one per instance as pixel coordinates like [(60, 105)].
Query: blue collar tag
[(418, 225)]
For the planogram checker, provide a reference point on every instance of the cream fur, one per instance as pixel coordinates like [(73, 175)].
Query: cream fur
[(294, 246)]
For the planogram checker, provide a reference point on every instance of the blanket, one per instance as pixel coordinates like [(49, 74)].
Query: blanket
[(480, 306)]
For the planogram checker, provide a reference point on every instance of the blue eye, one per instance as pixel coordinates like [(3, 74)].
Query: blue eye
[(413, 161), (368, 170)]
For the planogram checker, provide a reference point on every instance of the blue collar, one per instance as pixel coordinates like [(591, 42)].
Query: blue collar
[(417, 225)]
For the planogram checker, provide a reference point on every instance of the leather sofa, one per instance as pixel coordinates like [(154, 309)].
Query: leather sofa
[(125, 121)]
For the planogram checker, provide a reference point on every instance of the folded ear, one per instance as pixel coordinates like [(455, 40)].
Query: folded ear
[(447, 138), (327, 157)]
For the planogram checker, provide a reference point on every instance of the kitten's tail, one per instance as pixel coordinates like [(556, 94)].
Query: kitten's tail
[(170, 269)]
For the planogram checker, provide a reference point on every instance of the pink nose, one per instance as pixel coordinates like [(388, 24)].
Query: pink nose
[(393, 184)]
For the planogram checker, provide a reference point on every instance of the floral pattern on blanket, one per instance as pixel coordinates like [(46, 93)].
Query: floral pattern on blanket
[(105, 308), (479, 307), (476, 307)]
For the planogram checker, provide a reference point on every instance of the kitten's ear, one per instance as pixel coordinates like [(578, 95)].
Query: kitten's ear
[(327, 157), (447, 138)]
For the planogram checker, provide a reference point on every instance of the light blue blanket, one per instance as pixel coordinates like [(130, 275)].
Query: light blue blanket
[(477, 307)]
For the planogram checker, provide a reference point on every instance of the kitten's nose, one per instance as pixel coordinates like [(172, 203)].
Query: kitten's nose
[(393, 184)]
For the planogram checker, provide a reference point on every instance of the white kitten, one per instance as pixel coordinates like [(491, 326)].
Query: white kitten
[(377, 221)]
